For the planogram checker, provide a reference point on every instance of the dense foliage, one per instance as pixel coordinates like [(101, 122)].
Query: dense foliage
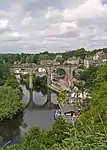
[(98, 108), (62, 98), (40, 84), (4, 73), (9, 101), (40, 81), (60, 72), (89, 76), (10, 94)]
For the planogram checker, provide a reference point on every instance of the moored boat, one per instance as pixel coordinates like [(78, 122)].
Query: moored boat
[(57, 114)]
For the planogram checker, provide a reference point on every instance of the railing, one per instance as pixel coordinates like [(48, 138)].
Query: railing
[(41, 66)]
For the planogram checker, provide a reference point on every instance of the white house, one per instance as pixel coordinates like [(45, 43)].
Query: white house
[(41, 70), (96, 56), (24, 72), (17, 71), (100, 55), (88, 61), (79, 95)]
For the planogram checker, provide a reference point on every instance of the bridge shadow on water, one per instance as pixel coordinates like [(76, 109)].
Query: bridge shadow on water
[(47, 102), (40, 97)]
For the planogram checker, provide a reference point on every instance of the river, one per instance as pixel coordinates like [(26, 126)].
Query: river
[(39, 112)]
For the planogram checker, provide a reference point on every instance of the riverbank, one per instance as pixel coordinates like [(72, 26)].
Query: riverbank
[(31, 115)]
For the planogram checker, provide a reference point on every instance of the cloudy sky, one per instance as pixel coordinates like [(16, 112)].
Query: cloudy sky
[(52, 25)]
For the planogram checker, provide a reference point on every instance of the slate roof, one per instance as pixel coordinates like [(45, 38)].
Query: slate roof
[(68, 108)]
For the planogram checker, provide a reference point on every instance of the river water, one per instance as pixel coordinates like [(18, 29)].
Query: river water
[(39, 112)]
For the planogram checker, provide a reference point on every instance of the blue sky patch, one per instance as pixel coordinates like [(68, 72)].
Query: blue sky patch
[(104, 2)]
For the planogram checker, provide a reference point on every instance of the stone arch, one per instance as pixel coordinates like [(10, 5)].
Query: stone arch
[(59, 71), (65, 68), (46, 70), (56, 67)]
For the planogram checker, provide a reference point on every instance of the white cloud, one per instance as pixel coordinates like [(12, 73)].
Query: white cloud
[(10, 37), (36, 25), (52, 13), (15, 34), (89, 9), (26, 21), (65, 26), (3, 24)]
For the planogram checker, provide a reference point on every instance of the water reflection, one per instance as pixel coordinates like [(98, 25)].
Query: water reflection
[(43, 90), (10, 129), (36, 114), (39, 99)]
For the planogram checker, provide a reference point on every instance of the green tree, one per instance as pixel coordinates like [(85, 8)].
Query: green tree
[(88, 75), (74, 73), (32, 140), (60, 71), (101, 75), (12, 81), (43, 57), (14, 147), (62, 98), (28, 59), (80, 52), (9, 102), (4, 73), (35, 58), (84, 140)]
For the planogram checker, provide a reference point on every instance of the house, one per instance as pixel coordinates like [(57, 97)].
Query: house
[(103, 57), (100, 57), (96, 60), (17, 71), (72, 61), (88, 61), (41, 70), (69, 110), (82, 95)]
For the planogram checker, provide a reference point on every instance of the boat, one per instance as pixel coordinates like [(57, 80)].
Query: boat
[(57, 114)]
